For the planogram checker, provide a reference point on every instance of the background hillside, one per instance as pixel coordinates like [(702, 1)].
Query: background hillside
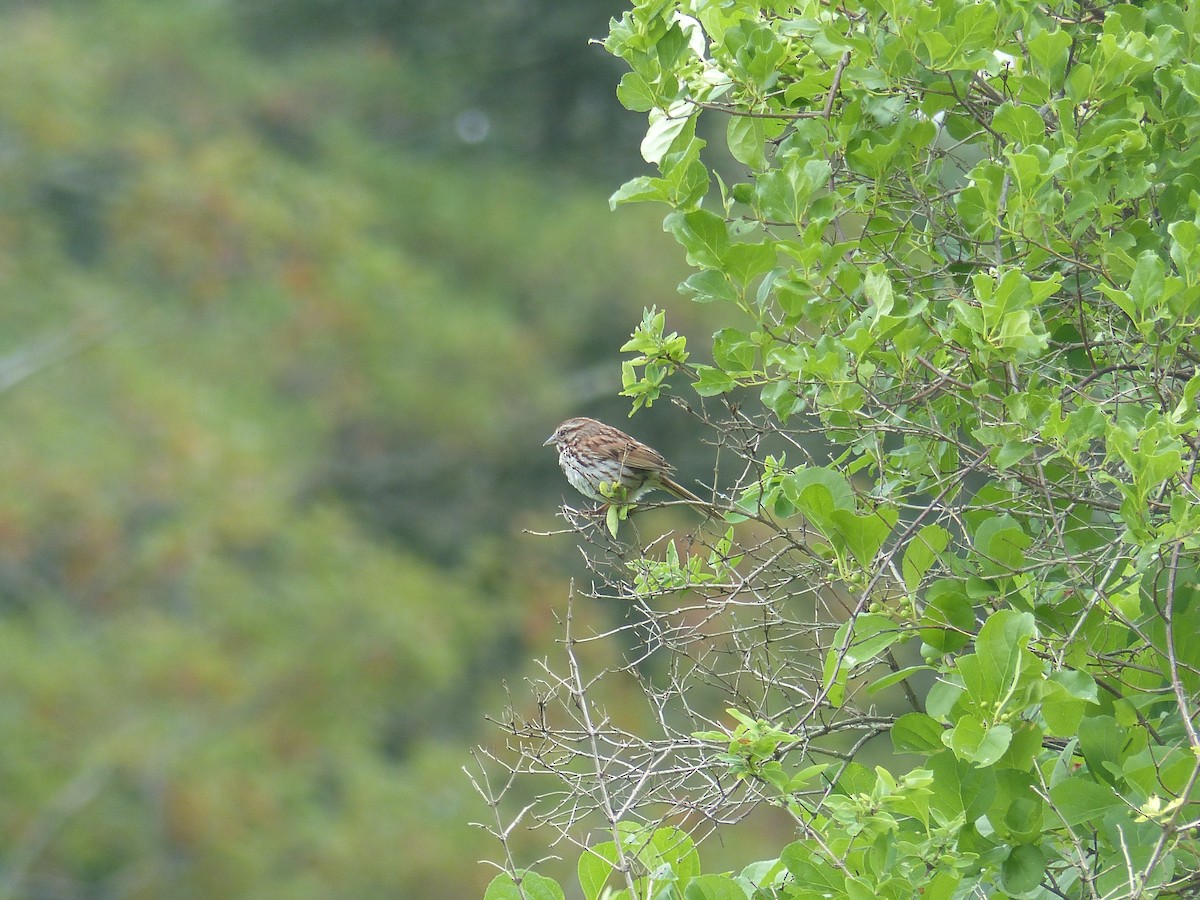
[(293, 292)]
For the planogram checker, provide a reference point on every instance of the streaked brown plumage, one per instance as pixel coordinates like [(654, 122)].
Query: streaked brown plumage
[(591, 452)]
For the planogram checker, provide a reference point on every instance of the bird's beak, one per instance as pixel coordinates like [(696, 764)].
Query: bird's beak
[(548, 441)]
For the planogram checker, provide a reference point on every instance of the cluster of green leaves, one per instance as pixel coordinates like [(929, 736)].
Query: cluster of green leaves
[(653, 577), (661, 862), (963, 243)]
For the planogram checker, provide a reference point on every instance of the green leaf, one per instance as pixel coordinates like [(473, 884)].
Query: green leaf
[(1077, 684), (595, 866), (709, 285), (639, 190), (888, 680), (856, 779), (872, 635), (975, 743), (1024, 816), (1000, 544), (714, 887), (1144, 301), (668, 130), (1102, 741), (863, 535), (785, 194), (877, 287), (943, 885), (1065, 699), (835, 674), (860, 889), (1010, 453), (959, 788), (634, 93), (533, 887), (948, 621), (747, 137), (781, 398), (734, 351), (671, 46), (1079, 799), (1000, 649), (807, 867), (763, 873), (712, 382), (1049, 52), (943, 698), (858, 642), (1019, 123), (1006, 320), (922, 551), (702, 234), (837, 492), (687, 180), (917, 733), (746, 261), (963, 42), (1185, 248), (1024, 868), (1146, 285), (1190, 78), (612, 518)]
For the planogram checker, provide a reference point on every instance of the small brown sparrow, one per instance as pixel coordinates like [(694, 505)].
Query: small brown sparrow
[(591, 453)]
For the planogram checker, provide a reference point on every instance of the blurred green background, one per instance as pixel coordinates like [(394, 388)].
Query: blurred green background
[(293, 292)]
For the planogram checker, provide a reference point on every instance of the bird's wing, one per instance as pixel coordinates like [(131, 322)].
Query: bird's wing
[(639, 456)]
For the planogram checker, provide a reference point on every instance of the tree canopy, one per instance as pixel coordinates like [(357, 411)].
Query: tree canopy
[(947, 628)]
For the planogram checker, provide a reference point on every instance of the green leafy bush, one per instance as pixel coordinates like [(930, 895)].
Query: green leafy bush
[(959, 261)]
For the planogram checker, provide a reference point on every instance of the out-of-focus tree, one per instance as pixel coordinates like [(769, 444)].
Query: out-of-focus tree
[(273, 388), (516, 75)]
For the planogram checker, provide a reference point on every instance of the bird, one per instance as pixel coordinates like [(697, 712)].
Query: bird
[(591, 453)]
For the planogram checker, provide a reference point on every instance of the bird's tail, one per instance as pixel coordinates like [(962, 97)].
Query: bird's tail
[(673, 487)]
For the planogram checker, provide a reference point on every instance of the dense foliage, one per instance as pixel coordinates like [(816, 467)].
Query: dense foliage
[(955, 412)]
